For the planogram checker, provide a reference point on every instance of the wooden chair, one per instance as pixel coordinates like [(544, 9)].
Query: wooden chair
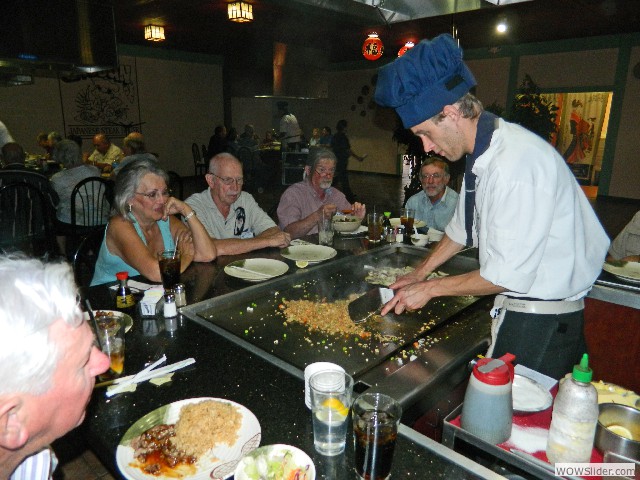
[(92, 198), (85, 257), (26, 219), (200, 167), (175, 184)]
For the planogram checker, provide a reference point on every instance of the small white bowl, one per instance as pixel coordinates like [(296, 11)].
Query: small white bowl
[(298, 458), (346, 223), (419, 239)]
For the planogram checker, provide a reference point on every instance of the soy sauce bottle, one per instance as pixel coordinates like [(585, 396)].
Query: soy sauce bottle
[(124, 298)]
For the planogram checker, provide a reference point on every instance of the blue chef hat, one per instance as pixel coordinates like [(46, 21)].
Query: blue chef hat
[(425, 79)]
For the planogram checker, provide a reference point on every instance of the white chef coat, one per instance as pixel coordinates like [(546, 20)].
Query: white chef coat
[(535, 229)]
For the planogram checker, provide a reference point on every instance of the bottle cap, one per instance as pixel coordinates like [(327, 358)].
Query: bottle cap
[(492, 371), (122, 275), (582, 372)]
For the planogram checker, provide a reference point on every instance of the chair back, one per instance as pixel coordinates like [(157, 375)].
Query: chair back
[(85, 257), (91, 201), (199, 165), (26, 219), (175, 184)]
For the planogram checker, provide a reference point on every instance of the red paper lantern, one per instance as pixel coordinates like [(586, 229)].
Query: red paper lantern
[(404, 49), (372, 47)]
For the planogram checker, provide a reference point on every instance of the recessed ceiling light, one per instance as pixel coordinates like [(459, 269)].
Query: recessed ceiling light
[(501, 27)]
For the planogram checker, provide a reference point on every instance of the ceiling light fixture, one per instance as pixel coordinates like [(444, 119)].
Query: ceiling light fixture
[(240, 12), (372, 48), (154, 33), (501, 27)]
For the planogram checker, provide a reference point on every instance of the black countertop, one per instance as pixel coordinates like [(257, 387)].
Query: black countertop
[(225, 370)]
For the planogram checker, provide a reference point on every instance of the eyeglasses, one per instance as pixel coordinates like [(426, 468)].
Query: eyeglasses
[(325, 171), (229, 180), (434, 176), (155, 194)]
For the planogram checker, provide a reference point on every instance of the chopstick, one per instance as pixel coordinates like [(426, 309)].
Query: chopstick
[(122, 383), (253, 272)]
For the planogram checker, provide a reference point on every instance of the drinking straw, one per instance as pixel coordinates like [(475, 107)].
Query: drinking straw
[(93, 319), (175, 248)]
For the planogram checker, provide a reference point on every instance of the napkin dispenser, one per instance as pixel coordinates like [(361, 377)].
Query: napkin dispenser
[(152, 301)]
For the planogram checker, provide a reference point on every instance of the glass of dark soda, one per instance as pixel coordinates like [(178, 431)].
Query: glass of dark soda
[(169, 261), (375, 428)]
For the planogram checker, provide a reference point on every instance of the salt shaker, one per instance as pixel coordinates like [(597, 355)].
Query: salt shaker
[(181, 295), (170, 309)]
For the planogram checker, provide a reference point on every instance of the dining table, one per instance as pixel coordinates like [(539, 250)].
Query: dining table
[(266, 376)]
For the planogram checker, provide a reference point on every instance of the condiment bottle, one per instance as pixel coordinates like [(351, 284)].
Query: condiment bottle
[(574, 417), (170, 309), (487, 411), (124, 298)]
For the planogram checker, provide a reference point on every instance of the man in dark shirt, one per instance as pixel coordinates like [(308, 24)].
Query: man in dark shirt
[(342, 149)]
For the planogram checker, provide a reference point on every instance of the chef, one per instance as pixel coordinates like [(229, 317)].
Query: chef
[(540, 244)]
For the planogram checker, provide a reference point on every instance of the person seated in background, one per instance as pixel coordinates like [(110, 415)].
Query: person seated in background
[(248, 138), (43, 142), (13, 156), (303, 203), (269, 140), (233, 219), (315, 137), (68, 154), (53, 138), (436, 203), (217, 142), (105, 153), (144, 225), (48, 364), (232, 141), (325, 137), (133, 148), (626, 246)]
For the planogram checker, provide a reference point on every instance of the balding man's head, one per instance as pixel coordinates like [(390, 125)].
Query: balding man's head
[(101, 143)]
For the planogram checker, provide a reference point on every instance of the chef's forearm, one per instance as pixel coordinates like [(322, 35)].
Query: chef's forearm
[(444, 250)]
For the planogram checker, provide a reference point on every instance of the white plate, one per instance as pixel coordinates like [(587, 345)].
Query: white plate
[(128, 321), (529, 396), (629, 272), (299, 459), (361, 229), (416, 223), (268, 267), (308, 253), (225, 458)]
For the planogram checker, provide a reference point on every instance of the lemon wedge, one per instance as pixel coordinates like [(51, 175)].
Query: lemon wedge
[(337, 405), (301, 263), (620, 430)]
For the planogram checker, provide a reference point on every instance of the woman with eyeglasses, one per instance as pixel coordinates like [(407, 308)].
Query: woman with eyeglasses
[(144, 224)]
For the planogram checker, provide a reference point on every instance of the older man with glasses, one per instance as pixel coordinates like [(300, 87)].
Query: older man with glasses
[(303, 203), (233, 218), (437, 202)]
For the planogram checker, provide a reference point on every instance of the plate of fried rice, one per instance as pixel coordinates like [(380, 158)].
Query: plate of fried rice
[(195, 439)]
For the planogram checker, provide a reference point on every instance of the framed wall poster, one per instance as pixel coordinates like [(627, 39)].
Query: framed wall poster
[(582, 129), (105, 102)]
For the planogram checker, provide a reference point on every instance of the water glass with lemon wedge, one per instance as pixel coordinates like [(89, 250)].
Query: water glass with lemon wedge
[(331, 393)]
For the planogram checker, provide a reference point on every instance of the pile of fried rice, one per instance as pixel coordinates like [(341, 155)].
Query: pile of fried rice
[(204, 425)]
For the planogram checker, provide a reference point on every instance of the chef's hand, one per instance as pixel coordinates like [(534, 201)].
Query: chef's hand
[(407, 279), (359, 210), (409, 298)]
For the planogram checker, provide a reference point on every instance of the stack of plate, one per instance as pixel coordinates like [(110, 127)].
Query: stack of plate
[(628, 271)]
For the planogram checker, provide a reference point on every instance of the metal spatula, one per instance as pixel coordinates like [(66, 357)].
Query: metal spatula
[(362, 308)]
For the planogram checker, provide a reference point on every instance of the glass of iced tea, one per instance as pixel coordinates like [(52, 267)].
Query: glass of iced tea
[(407, 216), (374, 224), (375, 428), (110, 334), (169, 261)]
